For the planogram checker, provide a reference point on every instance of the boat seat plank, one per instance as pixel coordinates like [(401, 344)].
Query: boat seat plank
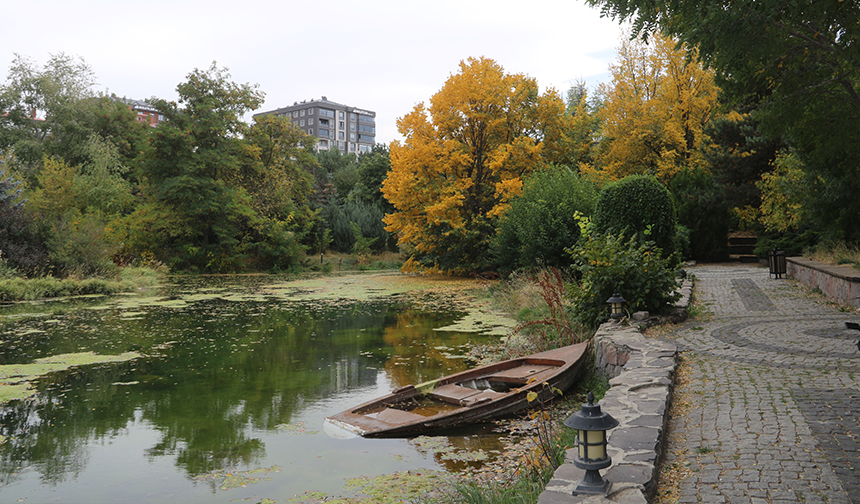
[(484, 396), (396, 416), (521, 374), (453, 393)]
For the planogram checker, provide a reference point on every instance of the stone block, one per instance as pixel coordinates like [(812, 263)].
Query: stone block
[(630, 473)]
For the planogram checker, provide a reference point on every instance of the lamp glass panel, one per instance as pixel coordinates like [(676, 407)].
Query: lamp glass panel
[(596, 444)]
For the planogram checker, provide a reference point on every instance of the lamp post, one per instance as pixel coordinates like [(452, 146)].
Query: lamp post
[(591, 455), (616, 303)]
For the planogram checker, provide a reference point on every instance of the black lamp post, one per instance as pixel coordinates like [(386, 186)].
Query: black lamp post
[(616, 303), (591, 455)]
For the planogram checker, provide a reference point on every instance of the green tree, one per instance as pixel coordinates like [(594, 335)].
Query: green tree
[(794, 65), (36, 101), (542, 222), (640, 207), (196, 212), (23, 251), (373, 167), (75, 237)]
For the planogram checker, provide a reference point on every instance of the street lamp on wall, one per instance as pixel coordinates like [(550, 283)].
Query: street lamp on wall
[(591, 455), (616, 304)]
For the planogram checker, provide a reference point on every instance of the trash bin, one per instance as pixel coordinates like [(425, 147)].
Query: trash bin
[(776, 262)]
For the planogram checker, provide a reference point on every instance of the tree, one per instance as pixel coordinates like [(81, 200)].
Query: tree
[(36, 100), (197, 212), (373, 168), (542, 223), (463, 159), (639, 207), (654, 112), (585, 125), (794, 66), (22, 250)]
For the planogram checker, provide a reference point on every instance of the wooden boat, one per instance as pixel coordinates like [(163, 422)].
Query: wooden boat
[(467, 397)]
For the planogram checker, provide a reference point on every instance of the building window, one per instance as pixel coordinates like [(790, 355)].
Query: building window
[(302, 122), (352, 136), (311, 131), (340, 125), (352, 117), (366, 129), (351, 126), (310, 121), (327, 113), (310, 111), (303, 112), (295, 113), (341, 146), (324, 122), (365, 118), (340, 115), (363, 148), (324, 133), (352, 147), (324, 144), (340, 135)]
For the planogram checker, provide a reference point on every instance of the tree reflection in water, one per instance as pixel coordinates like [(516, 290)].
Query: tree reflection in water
[(216, 378)]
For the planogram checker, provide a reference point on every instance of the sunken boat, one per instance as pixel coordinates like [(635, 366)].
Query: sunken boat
[(476, 395)]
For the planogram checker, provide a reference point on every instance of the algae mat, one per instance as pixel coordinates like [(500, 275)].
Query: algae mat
[(16, 380)]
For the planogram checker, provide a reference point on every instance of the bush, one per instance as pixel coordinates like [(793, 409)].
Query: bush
[(702, 209), (541, 223), (637, 271), (367, 216), (793, 243), (640, 207)]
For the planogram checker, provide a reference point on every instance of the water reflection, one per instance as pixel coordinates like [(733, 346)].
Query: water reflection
[(216, 379)]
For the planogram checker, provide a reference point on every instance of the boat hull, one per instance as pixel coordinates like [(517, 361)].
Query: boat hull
[(479, 394)]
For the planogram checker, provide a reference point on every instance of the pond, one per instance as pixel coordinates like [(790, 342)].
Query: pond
[(222, 385)]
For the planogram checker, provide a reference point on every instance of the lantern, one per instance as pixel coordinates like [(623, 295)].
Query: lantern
[(591, 455), (616, 303)]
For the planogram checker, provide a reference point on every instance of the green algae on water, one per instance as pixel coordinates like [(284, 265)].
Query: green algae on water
[(231, 478), (16, 379)]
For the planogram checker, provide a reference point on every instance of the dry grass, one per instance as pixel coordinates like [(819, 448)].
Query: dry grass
[(519, 295), (675, 468), (837, 253)]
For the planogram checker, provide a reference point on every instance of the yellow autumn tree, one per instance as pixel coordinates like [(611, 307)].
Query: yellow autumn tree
[(463, 158), (654, 111)]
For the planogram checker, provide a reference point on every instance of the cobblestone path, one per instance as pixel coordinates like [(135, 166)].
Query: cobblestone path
[(771, 409)]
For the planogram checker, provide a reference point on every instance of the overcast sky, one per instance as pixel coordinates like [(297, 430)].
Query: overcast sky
[(381, 55)]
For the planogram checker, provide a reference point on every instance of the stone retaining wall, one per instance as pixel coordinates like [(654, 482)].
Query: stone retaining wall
[(641, 374), (841, 284)]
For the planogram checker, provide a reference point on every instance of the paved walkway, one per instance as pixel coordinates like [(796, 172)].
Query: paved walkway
[(769, 404)]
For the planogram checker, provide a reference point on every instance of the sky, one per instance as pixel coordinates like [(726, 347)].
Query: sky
[(381, 55)]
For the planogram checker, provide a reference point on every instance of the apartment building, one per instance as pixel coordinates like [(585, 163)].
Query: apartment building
[(146, 113), (349, 129)]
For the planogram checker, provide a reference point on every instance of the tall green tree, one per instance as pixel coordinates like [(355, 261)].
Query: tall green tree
[(795, 66), (196, 213), (37, 100)]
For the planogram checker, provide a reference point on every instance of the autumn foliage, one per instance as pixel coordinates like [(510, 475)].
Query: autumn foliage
[(464, 158), (654, 112)]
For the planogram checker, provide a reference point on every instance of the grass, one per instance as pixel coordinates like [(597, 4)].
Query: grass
[(127, 279), (537, 300), (335, 261), (838, 253)]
